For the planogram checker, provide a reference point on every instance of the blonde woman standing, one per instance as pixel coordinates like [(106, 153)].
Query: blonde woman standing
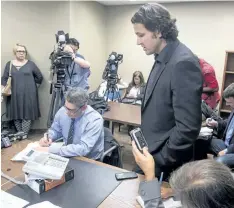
[(22, 106)]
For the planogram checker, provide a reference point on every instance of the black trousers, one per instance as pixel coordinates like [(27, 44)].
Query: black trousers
[(211, 145)]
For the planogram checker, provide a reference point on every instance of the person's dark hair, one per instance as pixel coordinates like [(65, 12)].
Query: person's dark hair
[(140, 75), (73, 41), (156, 18), (204, 184), (229, 91)]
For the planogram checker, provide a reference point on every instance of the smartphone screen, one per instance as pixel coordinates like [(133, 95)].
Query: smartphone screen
[(139, 135)]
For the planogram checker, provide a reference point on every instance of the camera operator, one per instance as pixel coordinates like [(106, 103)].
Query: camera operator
[(79, 71)]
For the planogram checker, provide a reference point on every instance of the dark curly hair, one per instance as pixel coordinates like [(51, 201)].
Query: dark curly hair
[(156, 18), (74, 42)]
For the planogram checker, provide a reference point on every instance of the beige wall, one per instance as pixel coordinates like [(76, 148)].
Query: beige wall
[(88, 25), (23, 22), (35, 24), (206, 28)]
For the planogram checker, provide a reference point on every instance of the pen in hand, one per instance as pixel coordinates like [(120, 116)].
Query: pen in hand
[(161, 178), (46, 135)]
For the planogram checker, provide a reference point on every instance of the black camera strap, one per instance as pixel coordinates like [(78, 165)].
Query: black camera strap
[(71, 74)]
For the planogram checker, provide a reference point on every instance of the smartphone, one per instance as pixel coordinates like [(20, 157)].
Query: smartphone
[(138, 137), (125, 175)]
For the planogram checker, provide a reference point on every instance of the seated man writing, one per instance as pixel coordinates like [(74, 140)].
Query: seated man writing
[(80, 126)]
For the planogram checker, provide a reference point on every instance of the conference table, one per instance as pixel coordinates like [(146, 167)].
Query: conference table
[(123, 196), (122, 113)]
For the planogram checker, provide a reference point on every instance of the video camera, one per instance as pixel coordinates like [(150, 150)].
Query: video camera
[(110, 72), (60, 60)]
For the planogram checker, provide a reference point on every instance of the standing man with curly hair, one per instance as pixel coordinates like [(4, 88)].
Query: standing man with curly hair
[(171, 108)]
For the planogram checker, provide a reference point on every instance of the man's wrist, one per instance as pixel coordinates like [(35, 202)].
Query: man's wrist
[(149, 177), (73, 57)]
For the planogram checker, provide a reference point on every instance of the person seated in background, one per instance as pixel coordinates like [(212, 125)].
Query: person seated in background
[(210, 84), (199, 184), (208, 112), (80, 127), (118, 91), (225, 128), (136, 89)]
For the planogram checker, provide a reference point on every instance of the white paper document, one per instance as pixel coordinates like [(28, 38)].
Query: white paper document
[(10, 201), (21, 156), (205, 131), (170, 203), (45, 204)]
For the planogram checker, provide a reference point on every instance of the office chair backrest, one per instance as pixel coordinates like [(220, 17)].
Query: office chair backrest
[(97, 103), (112, 150)]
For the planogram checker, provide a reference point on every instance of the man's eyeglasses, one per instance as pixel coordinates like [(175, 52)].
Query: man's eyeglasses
[(21, 51), (72, 110)]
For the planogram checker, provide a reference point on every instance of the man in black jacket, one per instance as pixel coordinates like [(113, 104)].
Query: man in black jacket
[(224, 147), (171, 108)]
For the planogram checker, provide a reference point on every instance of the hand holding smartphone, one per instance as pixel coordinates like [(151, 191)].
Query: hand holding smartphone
[(139, 139)]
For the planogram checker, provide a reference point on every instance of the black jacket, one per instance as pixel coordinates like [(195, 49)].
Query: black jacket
[(171, 108)]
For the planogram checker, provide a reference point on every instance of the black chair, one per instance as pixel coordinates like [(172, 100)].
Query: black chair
[(112, 150)]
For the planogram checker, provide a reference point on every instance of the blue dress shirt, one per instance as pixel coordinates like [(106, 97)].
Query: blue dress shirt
[(229, 132), (88, 137), (77, 76)]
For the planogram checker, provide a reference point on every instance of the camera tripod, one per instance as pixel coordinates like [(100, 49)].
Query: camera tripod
[(56, 101), (112, 89)]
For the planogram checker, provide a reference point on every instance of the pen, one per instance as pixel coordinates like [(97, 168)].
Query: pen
[(47, 136), (161, 178), (160, 183)]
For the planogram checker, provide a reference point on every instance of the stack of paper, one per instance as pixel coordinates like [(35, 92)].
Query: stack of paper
[(21, 155), (10, 201), (45, 204)]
